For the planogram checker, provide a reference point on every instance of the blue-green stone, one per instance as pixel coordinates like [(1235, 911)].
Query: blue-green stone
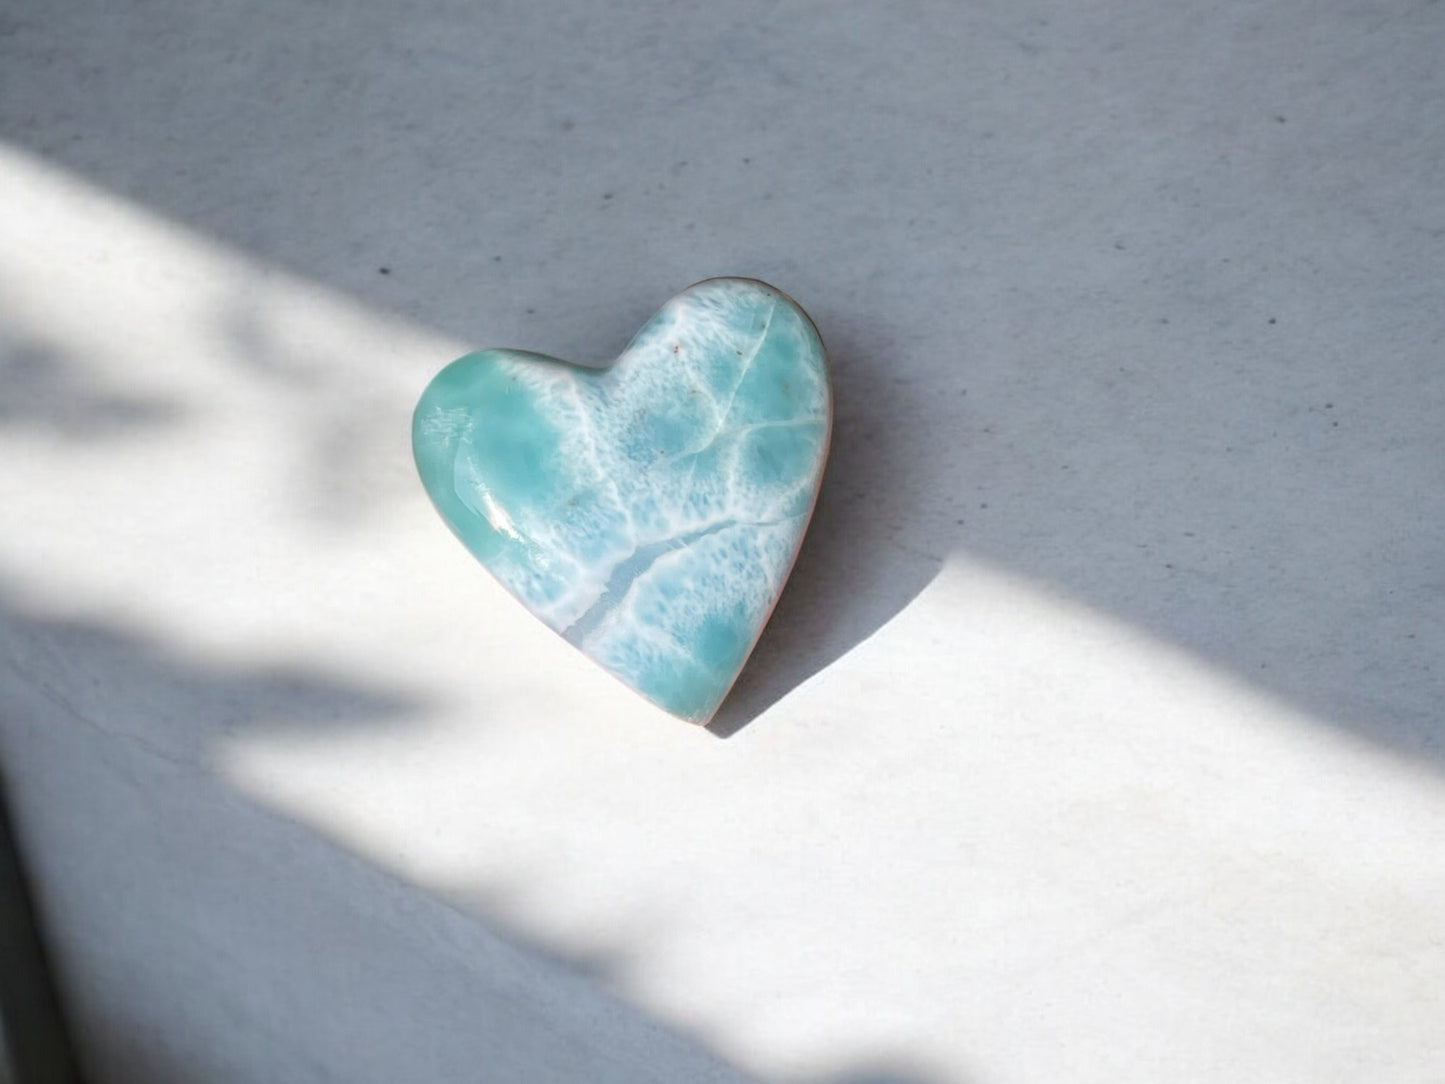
[(649, 512)]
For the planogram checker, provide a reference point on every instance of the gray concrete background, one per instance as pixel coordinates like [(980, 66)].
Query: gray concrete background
[(1136, 307)]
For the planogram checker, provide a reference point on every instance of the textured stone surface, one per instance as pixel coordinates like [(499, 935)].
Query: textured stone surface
[(649, 512)]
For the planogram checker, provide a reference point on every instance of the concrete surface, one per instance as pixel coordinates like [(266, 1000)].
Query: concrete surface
[(34, 1048), (1099, 735)]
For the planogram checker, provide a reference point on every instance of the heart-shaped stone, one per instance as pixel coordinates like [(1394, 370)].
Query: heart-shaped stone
[(650, 512)]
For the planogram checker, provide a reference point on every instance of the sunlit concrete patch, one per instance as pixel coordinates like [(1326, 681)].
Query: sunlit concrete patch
[(192, 412), (1062, 827)]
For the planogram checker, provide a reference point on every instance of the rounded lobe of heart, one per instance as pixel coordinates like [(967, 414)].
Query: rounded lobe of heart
[(649, 512)]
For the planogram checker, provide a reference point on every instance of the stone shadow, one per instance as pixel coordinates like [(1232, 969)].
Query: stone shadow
[(856, 569)]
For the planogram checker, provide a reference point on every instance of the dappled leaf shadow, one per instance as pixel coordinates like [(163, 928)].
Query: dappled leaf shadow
[(129, 687), (43, 391), (138, 870)]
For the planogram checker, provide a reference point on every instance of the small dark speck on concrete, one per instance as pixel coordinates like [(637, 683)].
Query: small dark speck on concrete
[(530, 312), (606, 195), (496, 259), (1278, 119), (568, 125), (1329, 406), (984, 504), (1168, 565), (747, 161), (958, 522), (1163, 319), (1119, 245), (1272, 320), (383, 270)]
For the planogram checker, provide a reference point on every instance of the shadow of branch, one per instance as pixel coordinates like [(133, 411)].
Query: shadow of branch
[(224, 922)]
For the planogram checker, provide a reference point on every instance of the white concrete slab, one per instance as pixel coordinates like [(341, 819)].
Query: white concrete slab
[(1099, 735)]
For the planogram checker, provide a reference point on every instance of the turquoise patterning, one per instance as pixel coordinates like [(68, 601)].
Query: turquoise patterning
[(651, 511)]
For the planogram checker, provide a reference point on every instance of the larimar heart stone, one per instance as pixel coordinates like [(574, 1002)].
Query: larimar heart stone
[(649, 512)]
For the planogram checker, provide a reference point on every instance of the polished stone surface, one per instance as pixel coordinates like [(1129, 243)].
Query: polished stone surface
[(649, 512)]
